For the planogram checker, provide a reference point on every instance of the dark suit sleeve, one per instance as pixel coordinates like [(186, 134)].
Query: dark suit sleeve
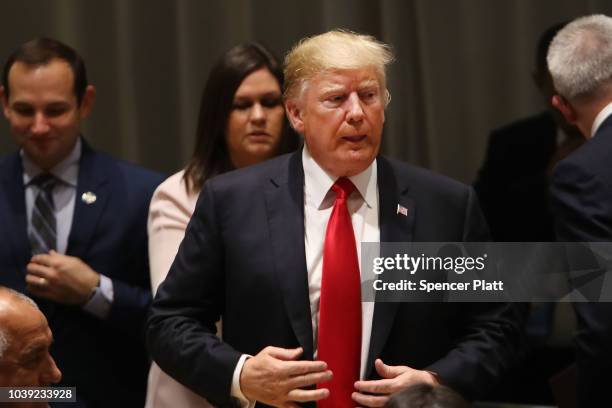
[(582, 206), (129, 268), (130, 305), (181, 326), (491, 339)]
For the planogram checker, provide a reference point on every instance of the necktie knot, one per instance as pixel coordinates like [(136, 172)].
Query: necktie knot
[(343, 187), (45, 181), (43, 222)]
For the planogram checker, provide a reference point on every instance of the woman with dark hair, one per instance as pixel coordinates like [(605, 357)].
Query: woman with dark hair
[(241, 122)]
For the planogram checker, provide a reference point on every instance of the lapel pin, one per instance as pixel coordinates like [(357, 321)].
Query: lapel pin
[(402, 210), (88, 197)]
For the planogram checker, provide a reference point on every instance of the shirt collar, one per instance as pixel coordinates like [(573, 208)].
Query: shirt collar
[(318, 182), (600, 118), (67, 171)]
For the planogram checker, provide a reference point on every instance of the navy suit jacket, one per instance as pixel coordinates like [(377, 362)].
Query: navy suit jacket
[(243, 258), (582, 200), (104, 359)]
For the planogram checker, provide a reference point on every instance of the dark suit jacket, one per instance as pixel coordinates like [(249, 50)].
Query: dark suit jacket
[(582, 200), (104, 359), (243, 258), (512, 184)]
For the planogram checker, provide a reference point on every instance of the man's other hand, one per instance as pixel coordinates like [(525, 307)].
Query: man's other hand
[(275, 377), (394, 379)]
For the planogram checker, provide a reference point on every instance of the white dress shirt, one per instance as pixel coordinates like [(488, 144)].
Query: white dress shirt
[(318, 204), (600, 118), (64, 196)]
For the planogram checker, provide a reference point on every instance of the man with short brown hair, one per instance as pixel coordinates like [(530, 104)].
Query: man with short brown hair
[(76, 219)]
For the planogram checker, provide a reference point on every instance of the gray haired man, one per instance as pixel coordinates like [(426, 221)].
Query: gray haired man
[(580, 62)]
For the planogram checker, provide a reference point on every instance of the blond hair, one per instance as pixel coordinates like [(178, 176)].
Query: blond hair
[(333, 50)]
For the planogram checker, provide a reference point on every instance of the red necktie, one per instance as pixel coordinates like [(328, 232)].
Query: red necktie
[(339, 342)]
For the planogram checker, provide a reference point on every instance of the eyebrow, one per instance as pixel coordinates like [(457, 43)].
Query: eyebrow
[(55, 104), (39, 346), (333, 88), (368, 83), (21, 104), (60, 104), (32, 352), (35, 348)]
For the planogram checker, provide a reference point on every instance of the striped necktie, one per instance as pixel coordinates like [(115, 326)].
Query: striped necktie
[(43, 227)]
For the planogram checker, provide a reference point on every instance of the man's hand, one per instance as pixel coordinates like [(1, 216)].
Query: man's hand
[(394, 379), (61, 278), (275, 377)]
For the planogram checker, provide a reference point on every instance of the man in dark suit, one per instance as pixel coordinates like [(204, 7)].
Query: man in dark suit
[(580, 61), (267, 244), (74, 227), (512, 184), (513, 191)]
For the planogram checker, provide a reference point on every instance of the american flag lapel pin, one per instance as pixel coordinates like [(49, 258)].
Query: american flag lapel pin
[(402, 210)]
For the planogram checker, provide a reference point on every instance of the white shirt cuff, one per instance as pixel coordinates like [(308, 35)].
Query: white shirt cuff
[(236, 392), (101, 301)]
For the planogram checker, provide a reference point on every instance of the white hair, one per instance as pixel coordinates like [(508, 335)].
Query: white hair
[(580, 57), (4, 337), (4, 343)]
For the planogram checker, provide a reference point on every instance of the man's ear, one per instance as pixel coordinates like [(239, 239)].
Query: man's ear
[(568, 112), (5, 105), (89, 97), (294, 113)]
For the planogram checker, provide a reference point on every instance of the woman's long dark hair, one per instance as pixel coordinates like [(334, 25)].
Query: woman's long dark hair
[(210, 156)]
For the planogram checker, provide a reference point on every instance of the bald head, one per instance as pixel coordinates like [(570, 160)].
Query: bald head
[(10, 295), (10, 303), (25, 339)]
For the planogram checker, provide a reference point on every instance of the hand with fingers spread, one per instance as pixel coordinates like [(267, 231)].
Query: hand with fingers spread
[(375, 393), (61, 278), (275, 377)]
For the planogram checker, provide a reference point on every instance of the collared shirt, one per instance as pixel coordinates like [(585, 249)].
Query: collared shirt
[(318, 204), (600, 118), (64, 198)]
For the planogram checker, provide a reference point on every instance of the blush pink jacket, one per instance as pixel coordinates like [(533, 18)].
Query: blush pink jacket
[(170, 210)]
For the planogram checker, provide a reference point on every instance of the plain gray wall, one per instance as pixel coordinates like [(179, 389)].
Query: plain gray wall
[(462, 68)]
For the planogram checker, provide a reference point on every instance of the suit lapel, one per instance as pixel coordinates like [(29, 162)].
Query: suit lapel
[(13, 217), (93, 193), (285, 207), (394, 227)]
